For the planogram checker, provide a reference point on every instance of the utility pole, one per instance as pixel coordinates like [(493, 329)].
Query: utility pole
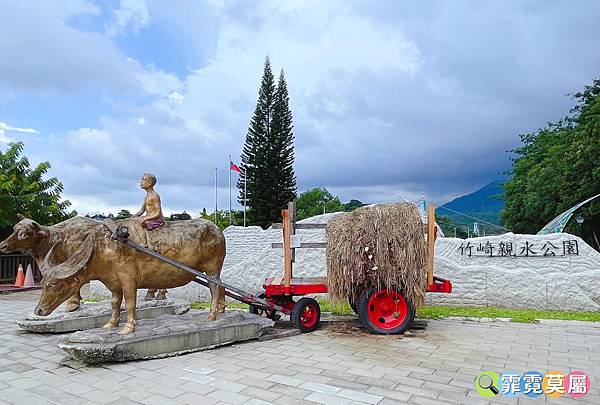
[(245, 193), (229, 166), (216, 203)]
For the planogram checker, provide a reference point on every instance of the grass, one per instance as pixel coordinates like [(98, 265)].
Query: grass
[(437, 312), (326, 306), (336, 308), (515, 315)]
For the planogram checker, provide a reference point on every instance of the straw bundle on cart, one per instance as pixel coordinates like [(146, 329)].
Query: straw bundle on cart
[(379, 246)]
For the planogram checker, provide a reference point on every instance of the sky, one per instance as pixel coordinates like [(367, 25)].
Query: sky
[(390, 99)]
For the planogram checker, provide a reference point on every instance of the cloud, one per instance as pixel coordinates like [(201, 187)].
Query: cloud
[(213, 106), (55, 56), (387, 96), (175, 97), (132, 15), (4, 128), (101, 168), (159, 83), (4, 138), (58, 57)]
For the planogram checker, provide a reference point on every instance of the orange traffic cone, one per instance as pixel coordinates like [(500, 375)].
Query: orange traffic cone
[(29, 277), (20, 277)]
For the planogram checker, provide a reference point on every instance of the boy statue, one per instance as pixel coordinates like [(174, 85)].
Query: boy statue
[(152, 220), (151, 206)]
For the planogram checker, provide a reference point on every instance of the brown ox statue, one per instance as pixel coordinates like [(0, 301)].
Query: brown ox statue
[(81, 249)]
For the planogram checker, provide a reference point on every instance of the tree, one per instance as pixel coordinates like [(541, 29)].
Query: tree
[(123, 214), (451, 228), (253, 158), (314, 202), (24, 191), (222, 222), (352, 205), (555, 168), (281, 154), (268, 155)]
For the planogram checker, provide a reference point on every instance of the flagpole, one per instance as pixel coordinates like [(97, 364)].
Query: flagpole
[(216, 204), (230, 222), (245, 188)]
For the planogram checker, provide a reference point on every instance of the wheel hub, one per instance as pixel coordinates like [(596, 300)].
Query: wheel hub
[(308, 317), (387, 309)]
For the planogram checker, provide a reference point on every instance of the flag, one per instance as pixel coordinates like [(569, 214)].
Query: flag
[(234, 167)]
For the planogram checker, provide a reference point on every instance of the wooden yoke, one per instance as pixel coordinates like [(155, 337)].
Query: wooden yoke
[(431, 235)]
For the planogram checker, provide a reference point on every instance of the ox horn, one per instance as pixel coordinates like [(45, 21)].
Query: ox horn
[(77, 261), (36, 227), (21, 217)]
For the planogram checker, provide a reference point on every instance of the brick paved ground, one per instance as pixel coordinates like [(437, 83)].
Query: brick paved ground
[(332, 366)]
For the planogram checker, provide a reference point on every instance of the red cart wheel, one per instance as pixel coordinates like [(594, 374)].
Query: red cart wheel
[(385, 312), (306, 315)]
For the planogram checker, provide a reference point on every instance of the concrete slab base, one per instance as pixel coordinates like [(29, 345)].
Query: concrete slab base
[(278, 333), (92, 315), (164, 336)]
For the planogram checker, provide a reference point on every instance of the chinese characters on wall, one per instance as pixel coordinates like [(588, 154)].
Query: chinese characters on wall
[(523, 249)]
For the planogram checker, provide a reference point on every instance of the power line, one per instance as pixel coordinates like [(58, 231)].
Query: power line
[(400, 195), (450, 223), (460, 213), (476, 219)]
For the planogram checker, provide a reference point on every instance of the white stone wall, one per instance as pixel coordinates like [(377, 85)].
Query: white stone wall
[(568, 283), (571, 282)]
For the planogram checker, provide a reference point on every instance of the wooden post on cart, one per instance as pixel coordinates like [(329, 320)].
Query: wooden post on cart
[(431, 234), (288, 220)]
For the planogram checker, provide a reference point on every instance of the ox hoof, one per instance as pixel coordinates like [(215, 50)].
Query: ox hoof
[(72, 306), (212, 317), (149, 297), (111, 324), (161, 297), (128, 328)]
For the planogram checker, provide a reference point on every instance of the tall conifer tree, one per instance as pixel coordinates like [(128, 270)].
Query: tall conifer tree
[(268, 155), (283, 145)]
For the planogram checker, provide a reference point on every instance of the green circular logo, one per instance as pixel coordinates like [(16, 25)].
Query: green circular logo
[(486, 384)]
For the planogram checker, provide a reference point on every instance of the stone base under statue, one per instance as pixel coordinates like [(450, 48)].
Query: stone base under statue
[(165, 335), (95, 314)]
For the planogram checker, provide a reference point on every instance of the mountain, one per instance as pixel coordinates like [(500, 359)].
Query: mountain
[(484, 204)]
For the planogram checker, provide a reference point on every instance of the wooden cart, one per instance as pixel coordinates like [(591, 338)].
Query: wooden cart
[(380, 311)]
